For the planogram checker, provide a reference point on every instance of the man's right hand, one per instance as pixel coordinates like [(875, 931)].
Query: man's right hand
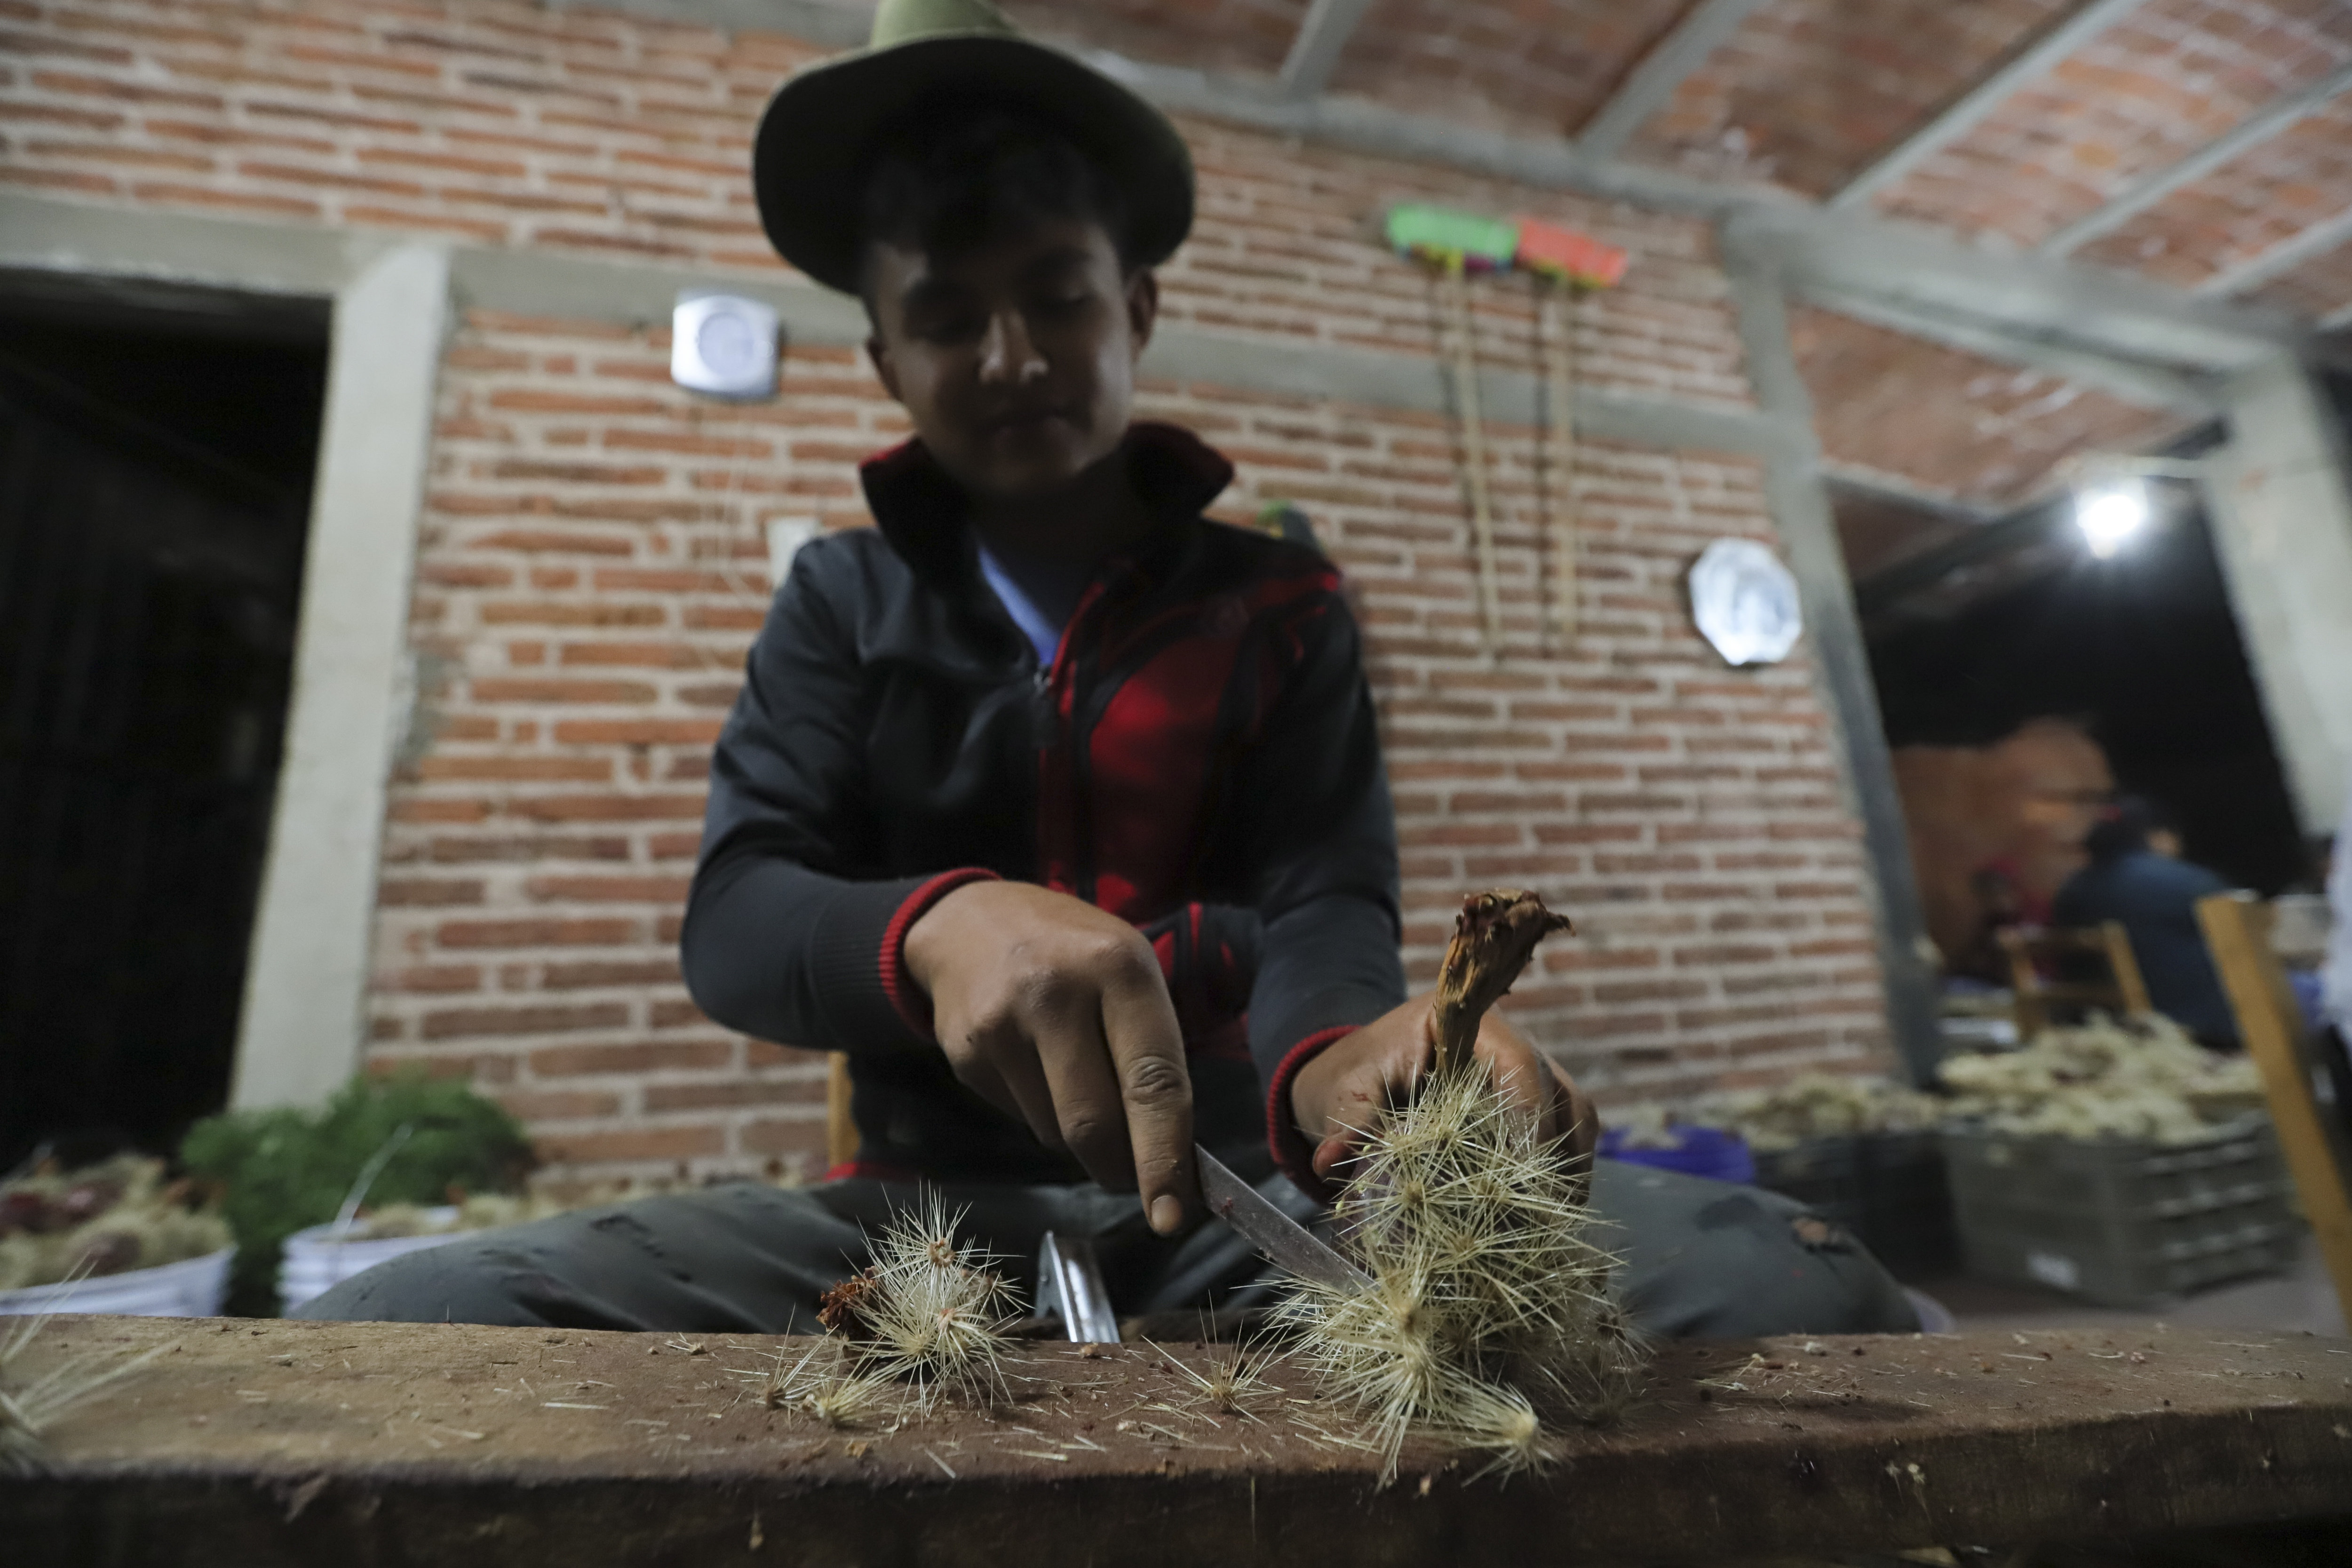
[(1056, 1012)]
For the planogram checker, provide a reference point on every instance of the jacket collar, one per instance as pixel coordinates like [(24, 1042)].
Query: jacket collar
[(920, 510)]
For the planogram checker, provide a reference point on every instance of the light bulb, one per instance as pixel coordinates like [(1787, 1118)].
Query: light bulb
[(2110, 515)]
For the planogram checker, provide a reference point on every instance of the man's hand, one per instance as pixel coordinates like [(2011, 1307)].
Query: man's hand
[(1348, 1088), (1056, 1012)]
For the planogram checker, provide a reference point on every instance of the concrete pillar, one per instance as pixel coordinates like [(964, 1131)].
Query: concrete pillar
[(302, 1029), (2282, 511), (1800, 510)]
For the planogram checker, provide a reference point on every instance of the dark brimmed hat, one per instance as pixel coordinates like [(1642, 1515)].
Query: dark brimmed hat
[(809, 158)]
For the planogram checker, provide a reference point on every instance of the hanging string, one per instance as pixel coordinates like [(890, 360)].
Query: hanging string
[(1560, 315), (1474, 453)]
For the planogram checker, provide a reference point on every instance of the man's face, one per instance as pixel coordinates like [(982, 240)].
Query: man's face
[(1015, 360)]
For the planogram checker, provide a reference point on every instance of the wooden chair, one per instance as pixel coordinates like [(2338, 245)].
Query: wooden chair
[(840, 1130), (2036, 952), (2237, 932)]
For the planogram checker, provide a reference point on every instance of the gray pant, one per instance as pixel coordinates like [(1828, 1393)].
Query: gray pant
[(1701, 1257)]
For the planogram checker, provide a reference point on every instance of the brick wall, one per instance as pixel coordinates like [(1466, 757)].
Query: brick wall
[(589, 579), (1224, 34), (1951, 423), (501, 123), (2145, 93), (1504, 62), (1807, 92), (589, 570)]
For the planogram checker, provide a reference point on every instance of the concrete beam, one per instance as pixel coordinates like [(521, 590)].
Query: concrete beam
[(2042, 299), (52, 235), (2148, 386), (2282, 508), (1799, 499), (1970, 109), (2149, 189), (1314, 55), (1651, 83), (2284, 257)]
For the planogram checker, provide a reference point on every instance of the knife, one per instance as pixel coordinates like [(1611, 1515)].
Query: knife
[(1286, 1244)]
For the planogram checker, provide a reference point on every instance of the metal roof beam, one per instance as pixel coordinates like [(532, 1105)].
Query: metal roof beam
[(2284, 257), (1670, 62), (2250, 133), (2051, 302), (2143, 386), (1314, 55), (1969, 111)]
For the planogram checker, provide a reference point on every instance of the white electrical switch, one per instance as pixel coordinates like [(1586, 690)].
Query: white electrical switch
[(723, 344)]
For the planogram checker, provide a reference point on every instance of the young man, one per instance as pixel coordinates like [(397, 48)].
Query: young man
[(1056, 807)]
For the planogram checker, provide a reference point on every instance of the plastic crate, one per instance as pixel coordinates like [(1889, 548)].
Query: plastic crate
[(1906, 1204), (2122, 1222), (1888, 1188)]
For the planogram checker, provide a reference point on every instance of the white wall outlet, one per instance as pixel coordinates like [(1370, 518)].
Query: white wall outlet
[(785, 537), (723, 344)]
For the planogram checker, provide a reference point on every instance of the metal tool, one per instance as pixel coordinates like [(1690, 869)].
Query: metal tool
[(1286, 1244), (1071, 1271)]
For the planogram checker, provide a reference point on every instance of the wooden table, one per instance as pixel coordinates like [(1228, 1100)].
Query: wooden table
[(259, 1443)]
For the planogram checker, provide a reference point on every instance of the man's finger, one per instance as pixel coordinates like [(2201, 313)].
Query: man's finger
[(1089, 1114), (1515, 1067), (1001, 1067), (1146, 1051)]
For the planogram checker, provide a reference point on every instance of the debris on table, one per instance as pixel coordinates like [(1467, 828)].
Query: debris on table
[(478, 1448), (931, 1313), (30, 1403)]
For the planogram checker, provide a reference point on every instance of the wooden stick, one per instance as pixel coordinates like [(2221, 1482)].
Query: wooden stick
[(2237, 930), (1494, 937), (1559, 339), (1473, 452)]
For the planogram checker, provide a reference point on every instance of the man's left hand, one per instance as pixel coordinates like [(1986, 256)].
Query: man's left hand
[(1355, 1080)]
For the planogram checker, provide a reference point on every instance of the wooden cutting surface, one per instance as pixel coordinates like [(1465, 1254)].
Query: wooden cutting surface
[(257, 1443)]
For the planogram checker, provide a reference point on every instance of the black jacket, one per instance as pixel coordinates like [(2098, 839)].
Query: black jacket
[(1201, 760)]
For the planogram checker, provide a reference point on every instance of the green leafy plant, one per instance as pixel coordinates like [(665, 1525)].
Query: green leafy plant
[(282, 1169)]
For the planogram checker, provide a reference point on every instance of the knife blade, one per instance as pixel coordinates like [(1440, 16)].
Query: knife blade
[(1286, 1244)]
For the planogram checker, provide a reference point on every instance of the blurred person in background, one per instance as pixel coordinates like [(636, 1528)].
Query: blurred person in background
[(2135, 875)]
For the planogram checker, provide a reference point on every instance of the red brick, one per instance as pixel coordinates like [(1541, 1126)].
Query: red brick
[(680, 1056), (536, 1019), (608, 889), (636, 731), (544, 932), (558, 1105), (459, 765), (637, 1143), (428, 891), (497, 690), (610, 972), (663, 1097)]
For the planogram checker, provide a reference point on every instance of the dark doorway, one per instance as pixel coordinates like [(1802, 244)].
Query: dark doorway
[(2142, 649), (156, 449)]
